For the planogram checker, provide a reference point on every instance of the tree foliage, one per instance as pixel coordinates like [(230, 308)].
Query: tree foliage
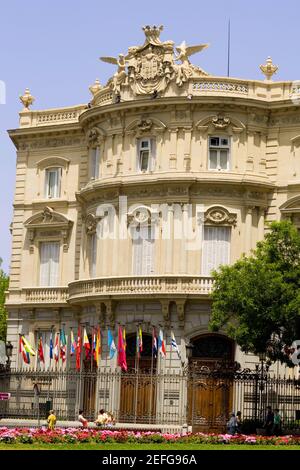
[(3, 314), (257, 299)]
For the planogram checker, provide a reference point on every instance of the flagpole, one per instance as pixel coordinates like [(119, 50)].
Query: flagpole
[(171, 349), (151, 377), (137, 375)]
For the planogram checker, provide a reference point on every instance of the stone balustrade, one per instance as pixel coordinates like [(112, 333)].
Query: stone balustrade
[(140, 286), (44, 295)]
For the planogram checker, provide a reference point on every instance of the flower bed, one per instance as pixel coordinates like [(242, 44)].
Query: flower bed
[(75, 435)]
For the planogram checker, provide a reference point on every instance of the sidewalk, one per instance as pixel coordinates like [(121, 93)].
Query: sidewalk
[(33, 423)]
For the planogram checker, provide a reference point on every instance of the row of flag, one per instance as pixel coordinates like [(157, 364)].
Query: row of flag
[(58, 346)]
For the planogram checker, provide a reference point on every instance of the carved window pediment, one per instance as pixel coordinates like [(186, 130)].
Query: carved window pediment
[(48, 223), (218, 215), (91, 221), (145, 125), (220, 122), (53, 161)]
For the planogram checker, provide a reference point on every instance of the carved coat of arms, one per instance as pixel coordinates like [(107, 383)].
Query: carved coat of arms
[(152, 66)]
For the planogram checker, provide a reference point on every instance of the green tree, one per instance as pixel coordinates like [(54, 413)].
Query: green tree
[(3, 314), (257, 299)]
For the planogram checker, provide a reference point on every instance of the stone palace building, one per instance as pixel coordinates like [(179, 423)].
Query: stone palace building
[(123, 207)]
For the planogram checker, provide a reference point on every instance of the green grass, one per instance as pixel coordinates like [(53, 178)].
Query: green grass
[(170, 447)]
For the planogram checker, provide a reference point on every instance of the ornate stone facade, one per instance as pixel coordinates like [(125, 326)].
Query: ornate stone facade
[(153, 137)]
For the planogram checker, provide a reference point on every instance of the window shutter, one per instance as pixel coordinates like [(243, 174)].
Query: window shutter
[(216, 248), (54, 264), (152, 154), (44, 264), (138, 163), (93, 255), (49, 264)]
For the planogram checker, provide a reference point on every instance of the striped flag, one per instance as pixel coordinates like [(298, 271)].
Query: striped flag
[(72, 343), (154, 343), (139, 341), (51, 346), (25, 355), (86, 344), (78, 350), (122, 362), (56, 348), (63, 345), (97, 350), (174, 344), (111, 344), (161, 344), (41, 350)]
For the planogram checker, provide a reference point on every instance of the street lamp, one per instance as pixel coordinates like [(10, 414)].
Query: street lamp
[(8, 349)]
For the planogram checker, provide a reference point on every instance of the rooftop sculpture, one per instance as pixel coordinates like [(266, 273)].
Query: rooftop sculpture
[(151, 67)]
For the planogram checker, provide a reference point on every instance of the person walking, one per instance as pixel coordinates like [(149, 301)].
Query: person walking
[(232, 424), (277, 423), (269, 422), (51, 420), (239, 422)]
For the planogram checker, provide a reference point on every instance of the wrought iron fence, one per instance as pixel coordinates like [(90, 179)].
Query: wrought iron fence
[(200, 397)]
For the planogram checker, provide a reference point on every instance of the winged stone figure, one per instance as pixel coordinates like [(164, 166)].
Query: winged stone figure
[(185, 70), (185, 51), (120, 75)]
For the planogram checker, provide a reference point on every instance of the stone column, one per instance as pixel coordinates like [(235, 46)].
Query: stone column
[(261, 223), (248, 229), (170, 242), (173, 149), (183, 254)]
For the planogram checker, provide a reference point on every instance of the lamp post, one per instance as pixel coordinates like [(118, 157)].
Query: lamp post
[(8, 349), (261, 376)]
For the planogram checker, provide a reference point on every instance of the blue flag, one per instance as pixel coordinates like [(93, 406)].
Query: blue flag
[(51, 346), (111, 344)]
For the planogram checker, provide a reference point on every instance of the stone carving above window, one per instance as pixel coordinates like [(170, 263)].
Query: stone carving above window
[(91, 221), (48, 223), (220, 122), (95, 136), (145, 125), (219, 216)]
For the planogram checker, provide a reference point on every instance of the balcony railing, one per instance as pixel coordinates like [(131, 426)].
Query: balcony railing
[(140, 286), (48, 295)]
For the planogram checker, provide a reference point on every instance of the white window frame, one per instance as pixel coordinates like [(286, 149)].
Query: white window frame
[(94, 162), (52, 271), (151, 154), (209, 265), (218, 149), (143, 251), (48, 171)]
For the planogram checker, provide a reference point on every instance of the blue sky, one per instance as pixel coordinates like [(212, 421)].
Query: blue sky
[(53, 47)]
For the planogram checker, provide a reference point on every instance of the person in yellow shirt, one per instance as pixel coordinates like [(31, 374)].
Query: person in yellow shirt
[(51, 420)]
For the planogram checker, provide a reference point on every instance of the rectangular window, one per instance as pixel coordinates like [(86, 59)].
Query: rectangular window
[(146, 155), (142, 251), (219, 153), (53, 180), (94, 162), (215, 248), (93, 254), (49, 264)]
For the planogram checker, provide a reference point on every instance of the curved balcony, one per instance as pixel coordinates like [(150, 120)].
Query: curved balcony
[(139, 286)]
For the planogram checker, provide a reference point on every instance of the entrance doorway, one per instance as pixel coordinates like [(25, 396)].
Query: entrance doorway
[(138, 384), (210, 384)]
